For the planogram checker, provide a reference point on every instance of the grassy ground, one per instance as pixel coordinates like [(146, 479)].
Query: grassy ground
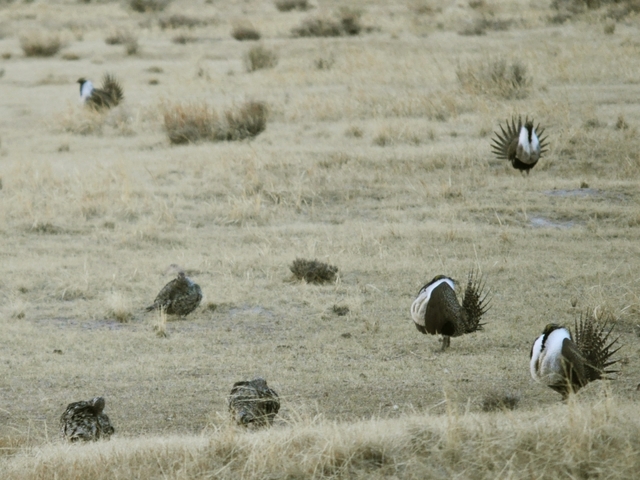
[(375, 159)]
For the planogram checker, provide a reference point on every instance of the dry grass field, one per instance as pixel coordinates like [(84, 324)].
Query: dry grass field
[(376, 159)]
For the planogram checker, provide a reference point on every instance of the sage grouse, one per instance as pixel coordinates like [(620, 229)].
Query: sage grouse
[(253, 403), (108, 96), (85, 421), (436, 310), (521, 144), (180, 296), (567, 363)]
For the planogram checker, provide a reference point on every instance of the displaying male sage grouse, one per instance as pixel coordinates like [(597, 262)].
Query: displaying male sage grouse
[(108, 96), (85, 421), (253, 403), (521, 144), (180, 296), (436, 310), (567, 363)]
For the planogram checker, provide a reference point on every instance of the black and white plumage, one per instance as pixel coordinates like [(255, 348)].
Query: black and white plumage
[(108, 96), (85, 421), (436, 309), (566, 362), (521, 144), (253, 403), (180, 296)]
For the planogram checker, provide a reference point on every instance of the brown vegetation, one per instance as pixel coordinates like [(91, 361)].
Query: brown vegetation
[(288, 5), (260, 57), (38, 44), (496, 77), (189, 123), (149, 5), (244, 32)]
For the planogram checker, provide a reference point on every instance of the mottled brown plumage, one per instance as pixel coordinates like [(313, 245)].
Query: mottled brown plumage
[(85, 421), (436, 309), (521, 144), (312, 271), (253, 403), (108, 96), (180, 296)]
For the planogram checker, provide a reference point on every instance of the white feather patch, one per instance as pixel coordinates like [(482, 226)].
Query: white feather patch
[(419, 305), (546, 363), (86, 90)]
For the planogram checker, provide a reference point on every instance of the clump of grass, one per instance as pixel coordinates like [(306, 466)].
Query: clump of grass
[(183, 39), (495, 400), (324, 62), (391, 135), (131, 47), (312, 271), (354, 131), (498, 78), (118, 307), (37, 44), (347, 23), (245, 31), (120, 36), (288, 5), (17, 309), (479, 26), (180, 21), (260, 57), (609, 27), (246, 121), (191, 123), (340, 310), (159, 324), (148, 5), (621, 123), (82, 121)]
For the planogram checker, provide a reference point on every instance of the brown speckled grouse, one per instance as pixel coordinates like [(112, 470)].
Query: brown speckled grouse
[(253, 403), (180, 296), (85, 421)]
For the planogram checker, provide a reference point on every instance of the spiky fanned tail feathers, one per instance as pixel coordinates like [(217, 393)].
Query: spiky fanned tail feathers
[(500, 143), (593, 340), (475, 302), (113, 88)]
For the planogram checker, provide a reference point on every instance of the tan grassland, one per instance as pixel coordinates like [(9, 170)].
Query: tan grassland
[(375, 159)]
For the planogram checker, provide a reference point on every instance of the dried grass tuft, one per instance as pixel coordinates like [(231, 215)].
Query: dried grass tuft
[(245, 31), (118, 307), (260, 57), (181, 21), (39, 44), (120, 36), (246, 121), (144, 6), (289, 5), (312, 271), (499, 78), (346, 23), (496, 401), (191, 123)]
